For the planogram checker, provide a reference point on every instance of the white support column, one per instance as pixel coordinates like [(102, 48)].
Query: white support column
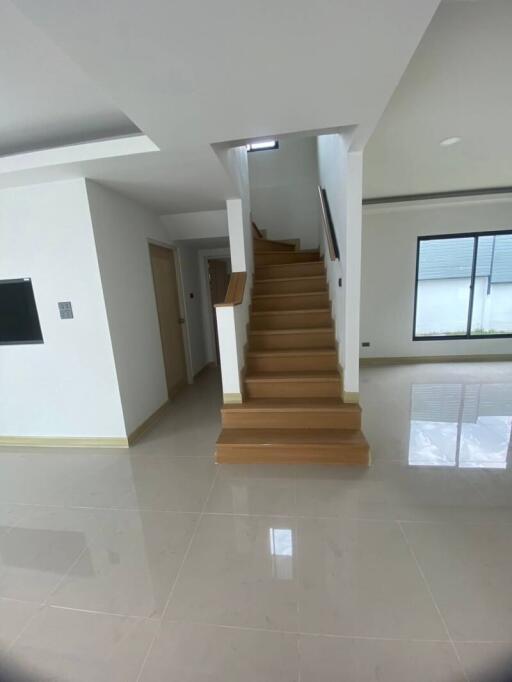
[(352, 290), (232, 320), (229, 362)]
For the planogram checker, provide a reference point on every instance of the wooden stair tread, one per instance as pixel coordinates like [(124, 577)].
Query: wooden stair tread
[(266, 253), (287, 265), (304, 330), (269, 437), (278, 352), (290, 295), (275, 241), (325, 375), (294, 311), (265, 280), (293, 405)]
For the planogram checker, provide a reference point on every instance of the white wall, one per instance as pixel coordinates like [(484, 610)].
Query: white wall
[(389, 267), (67, 386), (340, 173), (283, 186), (122, 229), (196, 225)]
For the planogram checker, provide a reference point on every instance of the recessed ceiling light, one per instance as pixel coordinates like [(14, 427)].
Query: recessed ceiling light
[(447, 142)]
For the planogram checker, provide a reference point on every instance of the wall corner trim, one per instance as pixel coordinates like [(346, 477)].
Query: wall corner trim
[(350, 397), (148, 423), (232, 398), (63, 442)]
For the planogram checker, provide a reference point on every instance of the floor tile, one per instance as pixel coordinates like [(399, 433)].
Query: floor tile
[(468, 568), (392, 491), (43, 476), (10, 514), (487, 662), (495, 486), (193, 653), (328, 659), (14, 616), (279, 548), (109, 484), (40, 549), (239, 571), (80, 647), (130, 563), (254, 489), (172, 484), (359, 579), (137, 480)]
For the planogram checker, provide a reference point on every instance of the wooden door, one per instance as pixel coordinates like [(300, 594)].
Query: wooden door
[(219, 279), (167, 302)]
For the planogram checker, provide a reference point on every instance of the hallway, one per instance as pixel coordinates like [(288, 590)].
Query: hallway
[(157, 564)]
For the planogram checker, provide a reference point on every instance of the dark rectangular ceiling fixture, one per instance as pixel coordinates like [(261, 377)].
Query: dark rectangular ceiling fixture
[(262, 146)]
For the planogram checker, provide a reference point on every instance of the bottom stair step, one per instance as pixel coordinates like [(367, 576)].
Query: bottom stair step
[(337, 446), (291, 413)]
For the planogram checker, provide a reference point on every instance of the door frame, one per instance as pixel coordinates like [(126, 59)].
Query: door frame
[(181, 302)]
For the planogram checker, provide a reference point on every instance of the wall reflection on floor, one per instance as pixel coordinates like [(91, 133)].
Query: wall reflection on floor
[(461, 425)]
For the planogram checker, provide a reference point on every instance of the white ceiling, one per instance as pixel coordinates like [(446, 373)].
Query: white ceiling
[(190, 73), (45, 100), (457, 84)]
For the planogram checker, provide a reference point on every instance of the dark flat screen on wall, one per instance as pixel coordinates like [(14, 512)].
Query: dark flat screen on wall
[(19, 321)]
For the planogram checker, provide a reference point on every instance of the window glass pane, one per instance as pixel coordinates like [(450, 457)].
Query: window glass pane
[(492, 300), (444, 279)]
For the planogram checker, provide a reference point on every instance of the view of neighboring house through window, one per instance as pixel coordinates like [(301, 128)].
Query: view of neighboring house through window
[(464, 286)]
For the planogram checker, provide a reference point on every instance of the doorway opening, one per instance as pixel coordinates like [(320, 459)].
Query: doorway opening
[(219, 271), (170, 317)]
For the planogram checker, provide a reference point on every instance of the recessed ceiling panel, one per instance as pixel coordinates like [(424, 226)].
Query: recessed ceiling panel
[(46, 100)]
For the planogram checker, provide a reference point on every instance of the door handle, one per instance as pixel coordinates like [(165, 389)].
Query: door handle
[(181, 320)]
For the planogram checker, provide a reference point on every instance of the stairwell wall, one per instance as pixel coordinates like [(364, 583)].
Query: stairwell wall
[(283, 185), (340, 173)]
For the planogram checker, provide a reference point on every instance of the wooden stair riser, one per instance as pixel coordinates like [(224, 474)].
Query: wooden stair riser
[(281, 257), (268, 245), (292, 363), (290, 270), (296, 419), (291, 320), (290, 286), (291, 302), (292, 340), (292, 389), (346, 454)]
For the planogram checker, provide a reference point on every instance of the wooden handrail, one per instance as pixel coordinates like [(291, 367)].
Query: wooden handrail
[(236, 289), (330, 234)]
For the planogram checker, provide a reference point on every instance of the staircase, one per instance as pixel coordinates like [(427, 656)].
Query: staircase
[(292, 410)]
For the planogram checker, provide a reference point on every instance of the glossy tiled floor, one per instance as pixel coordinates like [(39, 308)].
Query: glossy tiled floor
[(156, 564)]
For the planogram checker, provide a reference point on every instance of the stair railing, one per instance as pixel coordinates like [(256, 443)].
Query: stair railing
[(328, 225)]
